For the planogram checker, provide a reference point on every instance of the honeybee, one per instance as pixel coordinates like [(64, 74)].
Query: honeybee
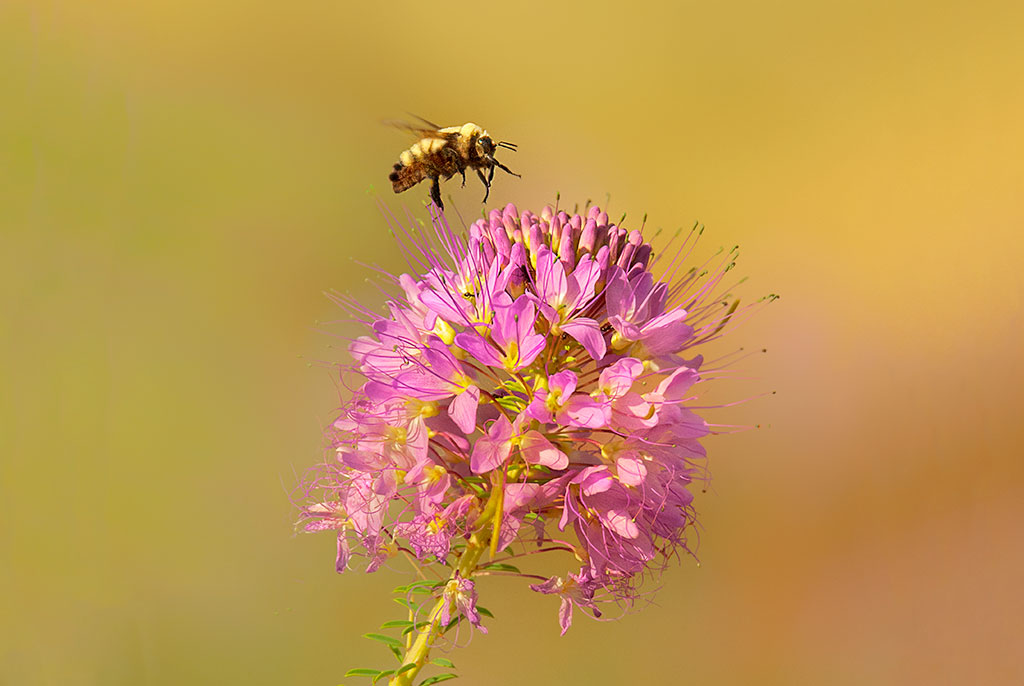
[(442, 153)]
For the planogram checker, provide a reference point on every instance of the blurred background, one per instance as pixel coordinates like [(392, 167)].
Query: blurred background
[(181, 181)]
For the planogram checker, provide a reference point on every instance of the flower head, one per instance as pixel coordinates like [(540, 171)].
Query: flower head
[(537, 370)]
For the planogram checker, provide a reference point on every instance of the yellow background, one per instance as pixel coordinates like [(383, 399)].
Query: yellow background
[(180, 181)]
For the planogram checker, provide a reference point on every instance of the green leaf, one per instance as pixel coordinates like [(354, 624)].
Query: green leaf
[(395, 623), (501, 567), (439, 677), (429, 583), (511, 403), (405, 668), (403, 602), (422, 589), (443, 662), (425, 582), (362, 672), (409, 629), (385, 639), (514, 385), (485, 612), (382, 675), (397, 651)]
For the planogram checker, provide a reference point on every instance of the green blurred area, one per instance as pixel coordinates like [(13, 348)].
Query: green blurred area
[(180, 182)]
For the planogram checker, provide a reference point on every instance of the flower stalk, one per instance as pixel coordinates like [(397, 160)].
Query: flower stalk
[(419, 652)]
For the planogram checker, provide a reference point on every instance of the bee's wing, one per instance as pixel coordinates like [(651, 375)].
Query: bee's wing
[(425, 129), (426, 122)]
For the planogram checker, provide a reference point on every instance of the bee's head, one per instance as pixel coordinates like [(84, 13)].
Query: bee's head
[(485, 145)]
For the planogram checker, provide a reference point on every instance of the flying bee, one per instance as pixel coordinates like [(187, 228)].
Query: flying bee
[(443, 153)]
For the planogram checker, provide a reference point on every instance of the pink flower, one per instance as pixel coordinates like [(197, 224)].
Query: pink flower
[(562, 299), (531, 374), (331, 515), (626, 409), (440, 376), (556, 403), (576, 589), (494, 448), (461, 595), (515, 343), (431, 535)]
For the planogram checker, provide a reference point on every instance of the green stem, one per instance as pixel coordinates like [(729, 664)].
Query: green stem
[(419, 652), (499, 511)]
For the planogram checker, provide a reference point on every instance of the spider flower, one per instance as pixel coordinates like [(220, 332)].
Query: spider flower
[(535, 371)]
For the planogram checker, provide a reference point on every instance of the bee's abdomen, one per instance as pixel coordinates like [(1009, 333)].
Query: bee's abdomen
[(426, 146), (405, 177), (423, 159)]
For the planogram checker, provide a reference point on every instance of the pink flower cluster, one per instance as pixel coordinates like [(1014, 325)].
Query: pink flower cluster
[(542, 358)]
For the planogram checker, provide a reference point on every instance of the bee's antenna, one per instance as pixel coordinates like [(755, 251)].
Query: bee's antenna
[(507, 145)]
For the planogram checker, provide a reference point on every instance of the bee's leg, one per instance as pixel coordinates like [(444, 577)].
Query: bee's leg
[(502, 167), (435, 192), (456, 162), (486, 182)]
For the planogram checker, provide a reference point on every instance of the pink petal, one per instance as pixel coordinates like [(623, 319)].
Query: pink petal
[(618, 295), (538, 408), (491, 450), (633, 412), (617, 379), (536, 449), (674, 386), (565, 615), (518, 495), (582, 281), (588, 333), (632, 471), (378, 392), (563, 382), (476, 346), (341, 561), (598, 480), (551, 282), (584, 411), (620, 522), (532, 346), (463, 409)]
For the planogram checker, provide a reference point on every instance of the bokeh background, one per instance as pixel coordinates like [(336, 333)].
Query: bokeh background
[(181, 181)]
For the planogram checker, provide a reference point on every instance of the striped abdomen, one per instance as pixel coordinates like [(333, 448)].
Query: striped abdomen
[(427, 158)]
